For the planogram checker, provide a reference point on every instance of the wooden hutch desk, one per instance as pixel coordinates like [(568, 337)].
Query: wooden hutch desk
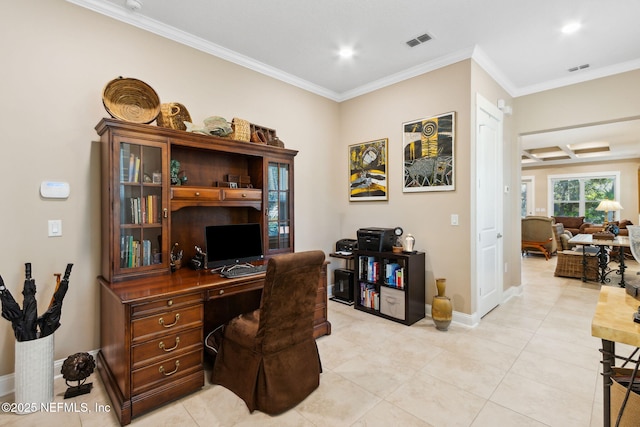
[(152, 321), (152, 332)]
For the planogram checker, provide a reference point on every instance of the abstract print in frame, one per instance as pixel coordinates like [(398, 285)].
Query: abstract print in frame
[(368, 171), (428, 154)]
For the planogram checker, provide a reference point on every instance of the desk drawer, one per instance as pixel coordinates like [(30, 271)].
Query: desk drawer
[(165, 323), (166, 371), (163, 304), (166, 346), (195, 193), (257, 283), (241, 194)]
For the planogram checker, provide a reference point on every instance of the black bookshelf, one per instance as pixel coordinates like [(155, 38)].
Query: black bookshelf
[(390, 285)]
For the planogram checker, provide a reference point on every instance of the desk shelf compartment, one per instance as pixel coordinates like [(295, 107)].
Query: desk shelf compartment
[(390, 285)]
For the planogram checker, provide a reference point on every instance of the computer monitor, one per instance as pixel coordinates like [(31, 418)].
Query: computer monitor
[(232, 244)]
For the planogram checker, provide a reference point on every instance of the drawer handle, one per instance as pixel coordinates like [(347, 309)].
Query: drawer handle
[(161, 345), (166, 374), (244, 194), (169, 303), (161, 321), (197, 193), (221, 291)]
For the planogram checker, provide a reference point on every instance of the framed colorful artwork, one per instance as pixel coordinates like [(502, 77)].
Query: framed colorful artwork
[(368, 171), (428, 154)]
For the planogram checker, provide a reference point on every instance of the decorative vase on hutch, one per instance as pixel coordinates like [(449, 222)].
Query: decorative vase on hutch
[(441, 309)]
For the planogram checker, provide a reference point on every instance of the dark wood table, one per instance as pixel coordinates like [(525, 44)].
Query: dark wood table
[(620, 242)]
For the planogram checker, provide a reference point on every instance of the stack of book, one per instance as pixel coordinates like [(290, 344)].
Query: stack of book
[(142, 210), (133, 253), (369, 268), (369, 297), (394, 275)]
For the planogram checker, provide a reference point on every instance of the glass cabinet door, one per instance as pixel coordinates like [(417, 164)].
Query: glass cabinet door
[(141, 241), (279, 207)]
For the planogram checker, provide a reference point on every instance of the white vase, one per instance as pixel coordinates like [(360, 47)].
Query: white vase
[(33, 374)]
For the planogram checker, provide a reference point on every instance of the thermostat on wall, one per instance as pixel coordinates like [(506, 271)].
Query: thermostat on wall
[(54, 190)]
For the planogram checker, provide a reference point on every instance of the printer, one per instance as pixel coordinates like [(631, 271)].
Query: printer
[(375, 239), (346, 245)]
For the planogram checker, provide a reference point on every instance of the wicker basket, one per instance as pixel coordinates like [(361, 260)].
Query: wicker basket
[(258, 137), (570, 265), (241, 130), (131, 100), (34, 373), (173, 115)]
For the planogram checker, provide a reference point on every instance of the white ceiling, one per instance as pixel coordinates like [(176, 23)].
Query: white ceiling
[(519, 43)]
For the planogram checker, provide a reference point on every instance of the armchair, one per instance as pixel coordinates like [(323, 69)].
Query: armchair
[(269, 357), (537, 235)]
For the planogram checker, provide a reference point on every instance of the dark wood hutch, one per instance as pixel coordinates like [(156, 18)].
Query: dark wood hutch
[(153, 321)]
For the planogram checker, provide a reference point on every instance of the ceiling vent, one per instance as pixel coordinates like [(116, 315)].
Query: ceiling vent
[(580, 67), (418, 40)]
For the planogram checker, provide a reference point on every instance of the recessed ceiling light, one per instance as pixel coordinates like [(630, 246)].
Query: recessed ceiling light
[(346, 53), (571, 27)]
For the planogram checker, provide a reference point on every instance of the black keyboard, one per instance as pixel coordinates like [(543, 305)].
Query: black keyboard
[(244, 271)]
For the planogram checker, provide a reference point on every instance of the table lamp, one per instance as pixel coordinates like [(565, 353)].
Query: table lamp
[(606, 206)]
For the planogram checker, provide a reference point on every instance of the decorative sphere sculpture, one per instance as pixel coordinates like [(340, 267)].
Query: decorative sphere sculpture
[(78, 367)]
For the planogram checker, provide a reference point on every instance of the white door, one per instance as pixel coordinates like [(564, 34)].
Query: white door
[(527, 187), (488, 205)]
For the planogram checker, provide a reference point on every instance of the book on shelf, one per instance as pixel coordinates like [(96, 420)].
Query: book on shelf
[(129, 169), (125, 154), (369, 268), (142, 210), (133, 253), (369, 297), (394, 275)]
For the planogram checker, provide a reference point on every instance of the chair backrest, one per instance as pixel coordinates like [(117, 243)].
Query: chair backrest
[(536, 228), (288, 299)]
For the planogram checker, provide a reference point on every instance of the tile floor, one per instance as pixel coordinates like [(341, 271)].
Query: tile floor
[(531, 362)]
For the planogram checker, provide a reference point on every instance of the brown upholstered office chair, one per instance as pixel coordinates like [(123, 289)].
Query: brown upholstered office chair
[(269, 357)]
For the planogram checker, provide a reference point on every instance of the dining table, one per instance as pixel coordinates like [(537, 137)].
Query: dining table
[(604, 256)]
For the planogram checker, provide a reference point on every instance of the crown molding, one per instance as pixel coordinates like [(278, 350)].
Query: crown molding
[(407, 74), (580, 77), (127, 16), (132, 18)]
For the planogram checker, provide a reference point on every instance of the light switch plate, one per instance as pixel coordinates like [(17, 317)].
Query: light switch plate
[(55, 227)]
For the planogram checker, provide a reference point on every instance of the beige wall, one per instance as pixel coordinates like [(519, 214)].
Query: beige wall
[(425, 215), (596, 101), (51, 82)]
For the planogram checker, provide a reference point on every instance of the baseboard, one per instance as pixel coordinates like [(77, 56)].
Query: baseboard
[(473, 320), (462, 319), (7, 382)]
